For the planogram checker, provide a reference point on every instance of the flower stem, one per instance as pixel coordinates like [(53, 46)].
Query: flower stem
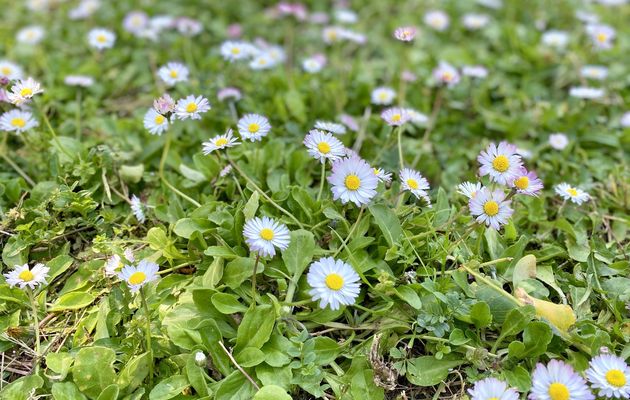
[(54, 134), (145, 306), (400, 150), (78, 115), (167, 147), (31, 297), (16, 167), (254, 278), (321, 182), (343, 244)]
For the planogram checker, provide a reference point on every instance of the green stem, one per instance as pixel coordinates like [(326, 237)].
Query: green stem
[(321, 182), (33, 300), (167, 147), (145, 306), (254, 278), (16, 168), (54, 134), (400, 149), (345, 241), (78, 116)]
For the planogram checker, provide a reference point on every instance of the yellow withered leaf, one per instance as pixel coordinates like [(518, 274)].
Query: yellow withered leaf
[(559, 315)]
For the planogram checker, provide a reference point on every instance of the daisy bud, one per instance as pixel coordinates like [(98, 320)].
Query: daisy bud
[(200, 359), (405, 33), (164, 104)]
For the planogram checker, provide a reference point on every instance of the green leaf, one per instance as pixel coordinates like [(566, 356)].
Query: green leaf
[(227, 303), (169, 388), (388, 222), (410, 296), (326, 350), (21, 388), (271, 392), (480, 314), (362, 386), (524, 269), (429, 371), (238, 271), (250, 357), (66, 391), (195, 376), (93, 370), (234, 387), (214, 273), (110, 393), (131, 173), (255, 328), (299, 253), (59, 363), (72, 301), (516, 320), (134, 372), (58, 266), (185, 227), (249, 211)]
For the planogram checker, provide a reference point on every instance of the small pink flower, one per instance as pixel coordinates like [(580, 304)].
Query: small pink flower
[(408, 76), (405, 33), (164, 104), (234, 31)]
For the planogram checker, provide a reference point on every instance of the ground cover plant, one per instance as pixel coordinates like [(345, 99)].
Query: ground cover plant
[(343, 200)]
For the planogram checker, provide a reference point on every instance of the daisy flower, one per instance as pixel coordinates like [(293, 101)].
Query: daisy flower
[(568, 192), (527, 182), (313, 65), (332, 34), (225, 171), (469, 189), (382, 175), (417, 117), (188, 26), (383, 96), (173, 72), (352, 179), (557, 39), (135, 21), (164, 104), (601, 35), (220, 142), (22, 276), (262, 61), (610, 375), (587, 17), (137, 208), (253, 127), (138, 276), (333, 282), (475, 71), (475, 21), (346, 16), (264, 234), (191, 107), (526, 154), (323, 146), (490, 208), (414, 182), (408, 76), (24, 90), (30, 35), (405, 33), (155, 122), (437, 20), (17, 121), (446, 74), (331, 127), (10, 70), (101, 39), (597, 72), (584, 92), (85, 9), (395, 116), (492, 388), (349, 121), (115, 263), (558, 381), (501, 162), (236, 50), (229, 93), (624, 121), (558, 141), (78, 80)]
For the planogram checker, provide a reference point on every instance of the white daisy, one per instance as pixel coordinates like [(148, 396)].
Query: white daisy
[(135, 21), (557, 39), (164, 104), (475, 71), (558, 141), (253, 127), (584, 92), (474, 21), (138, 276), (405, 33), (395, 116), (22, 276), (527, 183), (10, 70), (323, 146), (437, 20), (610, 375), (587, 17), (417, 117), (262, 61), (191, 107), (492, 389), (173, 72), (333, 282), (331, 127), (597, 72), (101, 39), (346, 16), (312, 65), (568, 192), (220, 142), (188, 26), (17, 121), (229, 93), (352, 179), (263, 235), (446, 74), (78, 80), (115, 263), (24, 90), (491, 208), (137, 208), (469, 189), (501, 162), (237, 50), (601, 35), (382, 175), (85, 9), (30, 35), (624, 121), (558, 381), (155, 122), (333, 34), (414, 182), (383, 96)]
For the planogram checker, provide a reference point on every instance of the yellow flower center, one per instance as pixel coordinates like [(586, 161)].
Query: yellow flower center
[(253, 127), (572, 192), (559, 391), (221, 142), (101, 39), (396, 117), (236, 51), (501, 163), (26, 276), (191, 107), (5, 70), (159, 119), (352, 182), (332, 35), (19, 122), (262, 61), (616, 378), (375, 171), (522, 182), (334, 281), (491, 208), (137, 278), (602, 37), (382, 96), (266, 234), (447, 76), (412, 183), (173, 73), (493, 398), (26, 92), (323, 147)]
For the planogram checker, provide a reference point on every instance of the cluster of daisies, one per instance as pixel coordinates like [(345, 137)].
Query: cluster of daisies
[(260, 55), (608, 375), (21, 93), (165, 111)]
